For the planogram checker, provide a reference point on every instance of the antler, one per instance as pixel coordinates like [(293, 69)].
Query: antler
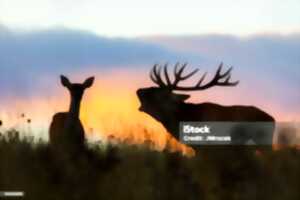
[(219, 79)]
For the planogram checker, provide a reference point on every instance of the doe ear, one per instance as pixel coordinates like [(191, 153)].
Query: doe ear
[(88, 82), (181, 97), (65, 81)]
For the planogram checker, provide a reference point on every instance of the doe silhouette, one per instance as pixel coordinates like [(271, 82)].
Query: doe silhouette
[(170, 108), (66, 129)]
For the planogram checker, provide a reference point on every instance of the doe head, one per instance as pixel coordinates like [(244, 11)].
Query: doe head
[(76, 89)]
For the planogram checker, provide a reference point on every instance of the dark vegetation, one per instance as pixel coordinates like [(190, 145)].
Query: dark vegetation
[(136, 172)]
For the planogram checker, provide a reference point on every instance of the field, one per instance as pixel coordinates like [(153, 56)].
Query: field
[(135, 172)]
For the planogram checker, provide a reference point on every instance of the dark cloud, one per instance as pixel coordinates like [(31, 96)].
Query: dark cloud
[(277, 54), (66, 48), (27, 56)]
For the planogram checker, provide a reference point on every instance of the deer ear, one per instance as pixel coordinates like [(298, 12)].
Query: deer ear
[(65, 81), (88, 82), (181, 97)]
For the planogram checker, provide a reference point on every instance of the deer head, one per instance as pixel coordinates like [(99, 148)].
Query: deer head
[(76, 89), (161, 100)]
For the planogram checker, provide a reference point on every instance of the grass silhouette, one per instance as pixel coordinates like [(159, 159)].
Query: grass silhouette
[(135, 172)]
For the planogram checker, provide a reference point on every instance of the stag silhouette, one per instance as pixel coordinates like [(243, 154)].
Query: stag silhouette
[(170, 108), (66, 129)]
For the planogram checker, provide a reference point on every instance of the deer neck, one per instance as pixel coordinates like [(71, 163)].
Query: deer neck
[(74, 109), (171, 123)]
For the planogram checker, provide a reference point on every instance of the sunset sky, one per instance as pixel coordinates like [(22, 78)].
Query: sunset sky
[(119, 41)]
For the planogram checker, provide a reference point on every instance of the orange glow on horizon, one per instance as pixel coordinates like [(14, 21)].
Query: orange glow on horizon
[(109, 111)]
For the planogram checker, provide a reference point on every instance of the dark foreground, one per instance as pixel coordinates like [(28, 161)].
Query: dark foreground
[(137, 173)]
